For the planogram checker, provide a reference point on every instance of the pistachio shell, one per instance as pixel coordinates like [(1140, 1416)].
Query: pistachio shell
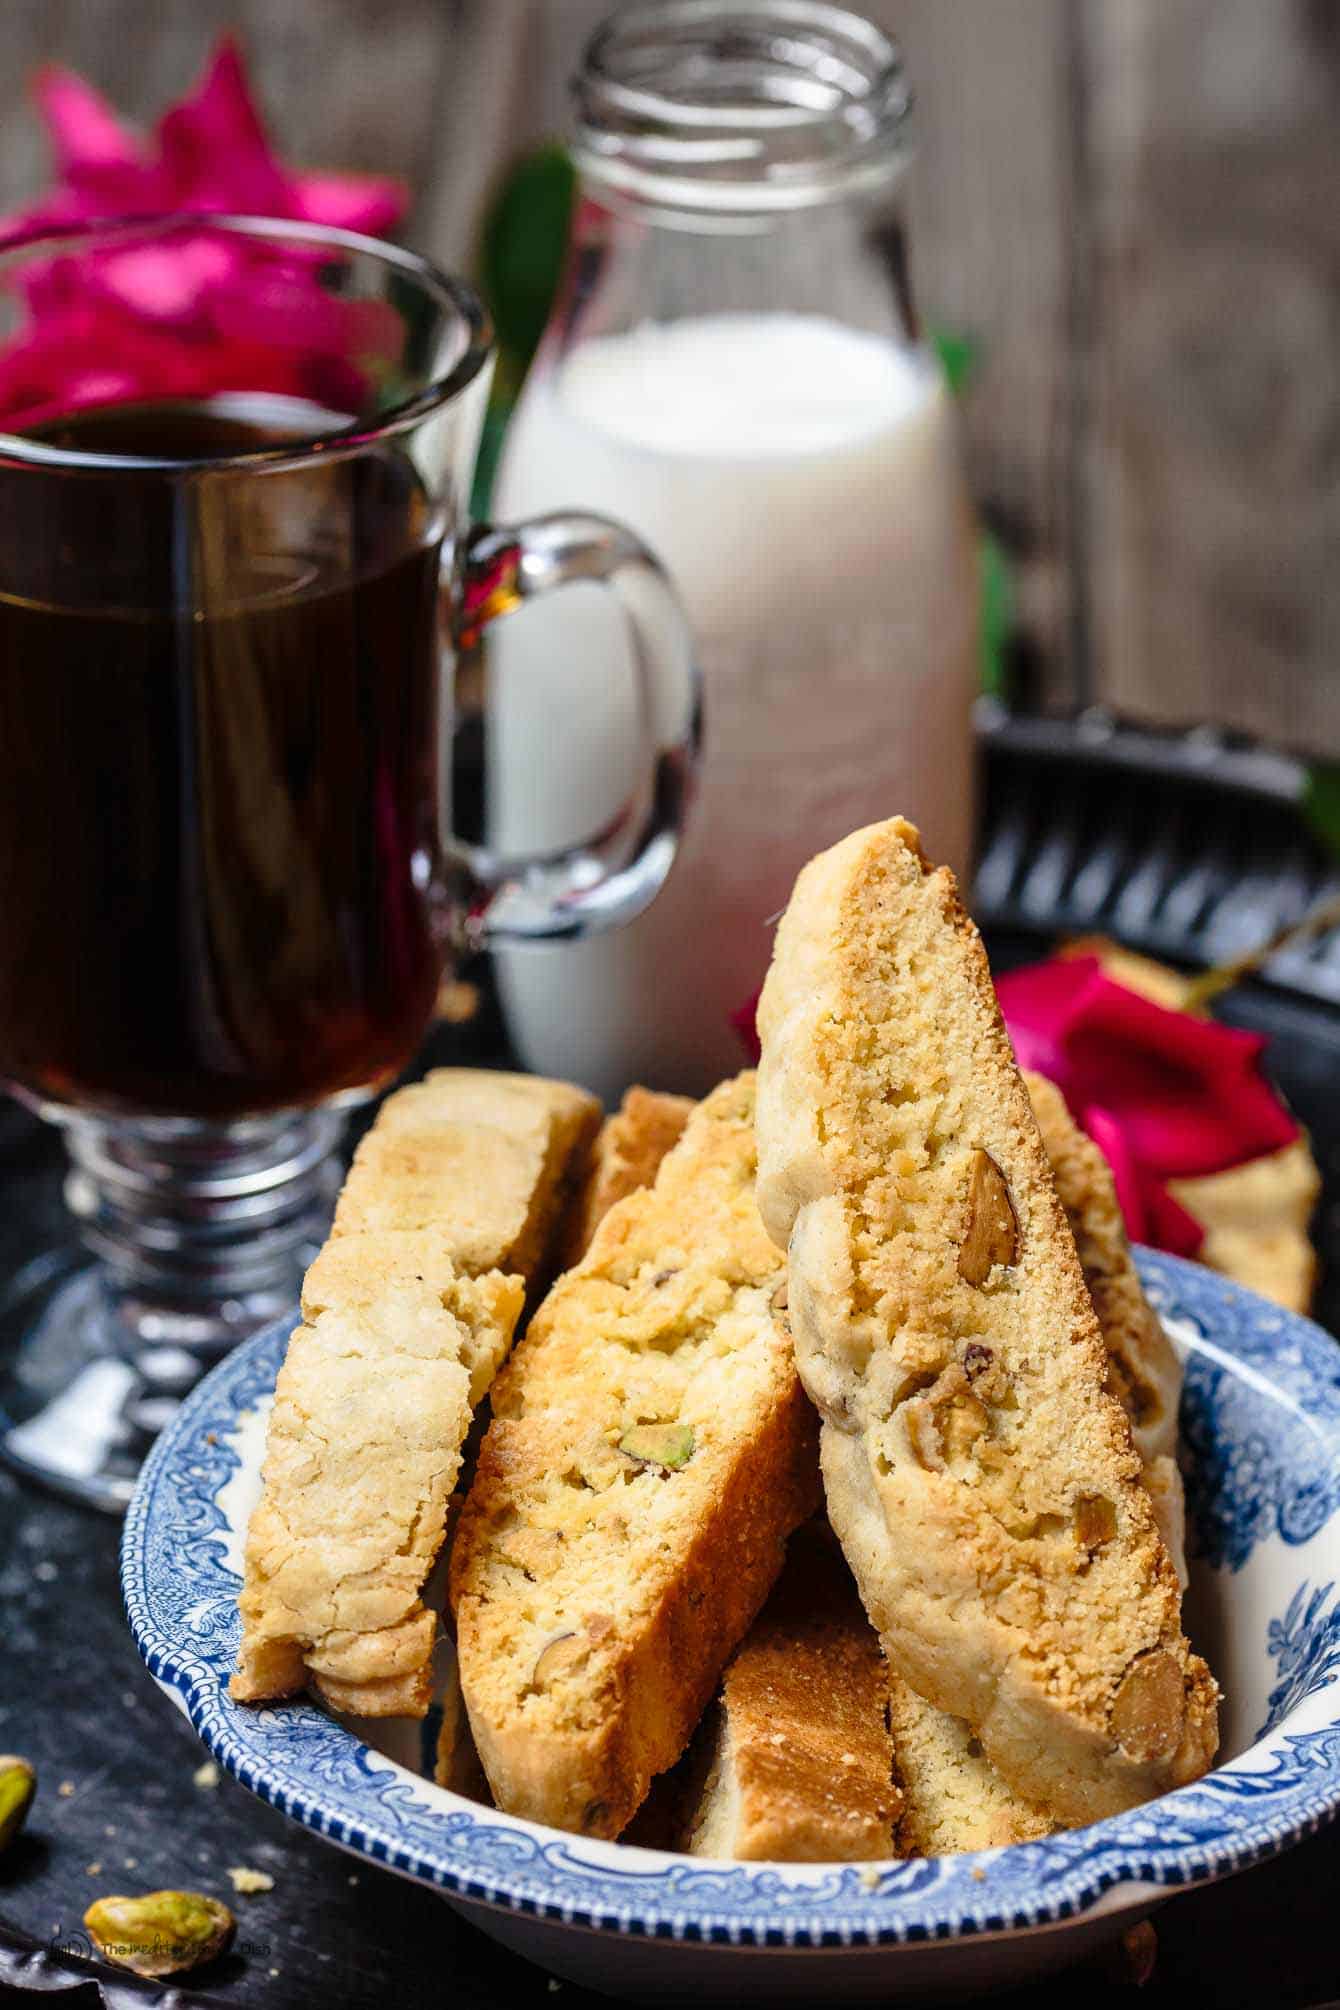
[(669, 1446), (18, 1784), (162, 1933)]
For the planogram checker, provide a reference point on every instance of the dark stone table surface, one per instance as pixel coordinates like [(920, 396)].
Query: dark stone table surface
[(120, 1807)]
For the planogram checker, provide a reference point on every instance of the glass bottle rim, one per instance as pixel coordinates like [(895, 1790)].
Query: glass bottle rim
[(740, 108)]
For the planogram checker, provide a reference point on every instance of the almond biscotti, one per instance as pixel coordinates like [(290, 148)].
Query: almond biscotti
[(979, 1475), (626, 1156), (955, 1799), (801, 1765), (650, 1452), (371, 1408), (446, 1218)]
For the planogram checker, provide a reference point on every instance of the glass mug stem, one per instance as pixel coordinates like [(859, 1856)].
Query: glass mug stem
[(200, 1237)]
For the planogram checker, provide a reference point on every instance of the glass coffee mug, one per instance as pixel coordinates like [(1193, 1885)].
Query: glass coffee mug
[(236, 574)]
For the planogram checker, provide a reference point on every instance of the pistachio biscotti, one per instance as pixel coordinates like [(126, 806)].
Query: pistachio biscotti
[(980, 1476), (954, 1797), (650, 1452), (446, 1217)]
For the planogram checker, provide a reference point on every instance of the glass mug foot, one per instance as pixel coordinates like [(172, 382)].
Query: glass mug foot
[(203, 1240)]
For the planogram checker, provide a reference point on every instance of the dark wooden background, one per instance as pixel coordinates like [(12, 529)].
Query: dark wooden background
[(1133, 205)]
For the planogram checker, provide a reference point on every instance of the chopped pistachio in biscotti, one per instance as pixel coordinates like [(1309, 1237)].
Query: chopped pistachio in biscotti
[(974, 1460), (650, 1452)]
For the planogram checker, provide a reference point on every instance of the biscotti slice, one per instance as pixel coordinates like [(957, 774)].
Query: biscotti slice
[(953, 1798), (626, 1156), (371, 1408), (488, 1161), (650, 1452), (801, 1768), (979, 1475), (1143, 1371)]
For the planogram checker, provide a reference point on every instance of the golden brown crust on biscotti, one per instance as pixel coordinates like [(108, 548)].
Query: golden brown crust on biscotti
[(981, 1478), (802, 1765), (650, 1452), (626, 1156)]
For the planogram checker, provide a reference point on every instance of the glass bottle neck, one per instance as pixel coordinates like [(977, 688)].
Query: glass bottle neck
[(838, 261), (715, 112), (739, 157)]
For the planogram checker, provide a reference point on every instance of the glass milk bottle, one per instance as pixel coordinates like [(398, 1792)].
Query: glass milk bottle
[(734, 367)]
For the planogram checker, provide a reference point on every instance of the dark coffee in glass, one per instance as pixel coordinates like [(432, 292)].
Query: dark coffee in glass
[(218, 827)]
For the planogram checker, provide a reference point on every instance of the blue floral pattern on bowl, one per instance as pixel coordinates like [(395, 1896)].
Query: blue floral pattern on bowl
[(1262, 1425)]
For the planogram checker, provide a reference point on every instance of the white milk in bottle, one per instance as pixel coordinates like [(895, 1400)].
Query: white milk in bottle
[(798, 476)]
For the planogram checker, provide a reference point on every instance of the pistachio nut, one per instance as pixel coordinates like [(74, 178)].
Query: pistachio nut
[(669, 1446), (162, 1933), (18, 1784)]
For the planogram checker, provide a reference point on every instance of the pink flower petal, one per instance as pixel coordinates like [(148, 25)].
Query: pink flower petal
[(164, 282), (373, 204), (204, 312), (1148, 1209), (1189, 1093), (85, 132), (214, 148)]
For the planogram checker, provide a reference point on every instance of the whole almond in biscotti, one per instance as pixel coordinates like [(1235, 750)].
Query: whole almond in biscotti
[(973, 1456), (650, 1452)]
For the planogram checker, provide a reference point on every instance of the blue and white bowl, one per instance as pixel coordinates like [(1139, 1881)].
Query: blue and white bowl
[(1261, 1428)]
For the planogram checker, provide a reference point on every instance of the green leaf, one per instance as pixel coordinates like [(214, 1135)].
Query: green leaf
[(958, 356), (490, 453), (995, 614), (1321, 803), (522, 245)]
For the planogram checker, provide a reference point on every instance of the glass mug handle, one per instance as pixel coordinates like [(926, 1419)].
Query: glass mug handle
[(611, 875)]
